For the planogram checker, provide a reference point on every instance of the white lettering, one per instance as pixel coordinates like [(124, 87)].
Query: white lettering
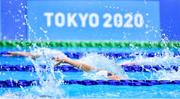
[(59, 19), (129, 20), (118, 20), (93, 20), (71, 20), (138, 20), (83, 18), (48, 17), (108, 19)]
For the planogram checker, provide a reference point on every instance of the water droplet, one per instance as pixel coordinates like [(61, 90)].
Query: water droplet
[(19, 11), (146, 32), (43, 30), (23, 23), (21, 4), (17, 20), (146, 26), (147, 14), (10, 2)]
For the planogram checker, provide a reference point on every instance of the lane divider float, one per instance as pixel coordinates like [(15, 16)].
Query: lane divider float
[(70, 68), (77, 55), (26, 83), (85, 44)]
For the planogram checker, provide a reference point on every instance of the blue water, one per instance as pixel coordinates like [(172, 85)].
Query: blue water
[(80, 91)]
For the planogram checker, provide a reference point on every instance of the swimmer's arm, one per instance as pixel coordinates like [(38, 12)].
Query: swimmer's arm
[(128, 63), (77, 64), (84, 67), (24, 54)]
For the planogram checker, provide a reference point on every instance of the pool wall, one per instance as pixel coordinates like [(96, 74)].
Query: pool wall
[(13, 27), (0, 18)]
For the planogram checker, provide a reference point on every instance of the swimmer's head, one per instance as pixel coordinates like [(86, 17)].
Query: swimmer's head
[(104, 73), (107, 74), (56, 58)]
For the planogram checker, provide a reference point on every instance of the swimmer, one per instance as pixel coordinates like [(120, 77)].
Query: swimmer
[(61, 58)]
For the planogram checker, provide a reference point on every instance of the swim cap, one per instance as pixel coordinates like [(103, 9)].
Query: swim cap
[(102, 73)]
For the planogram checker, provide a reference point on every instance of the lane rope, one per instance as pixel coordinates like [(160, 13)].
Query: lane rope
[(85, 44), (70, 68), (77, 55), (26, 83)]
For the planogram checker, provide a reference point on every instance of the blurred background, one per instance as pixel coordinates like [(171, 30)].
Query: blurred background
[(72, 20)]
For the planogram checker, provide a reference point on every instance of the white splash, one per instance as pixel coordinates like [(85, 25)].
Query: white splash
[(103, 63), (167, 75), (167, 59), (49, 85)]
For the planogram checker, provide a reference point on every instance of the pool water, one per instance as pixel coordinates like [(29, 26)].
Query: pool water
[(80, 91)]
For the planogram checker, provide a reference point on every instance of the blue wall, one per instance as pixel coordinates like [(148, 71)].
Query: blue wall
[(128, 29), (13, 21), (0, 20), (13, 18), (170, 18)]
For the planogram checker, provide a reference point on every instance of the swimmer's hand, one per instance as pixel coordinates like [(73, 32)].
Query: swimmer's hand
[(113, 76), (13, 54), (59, 60), (6, 54)]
